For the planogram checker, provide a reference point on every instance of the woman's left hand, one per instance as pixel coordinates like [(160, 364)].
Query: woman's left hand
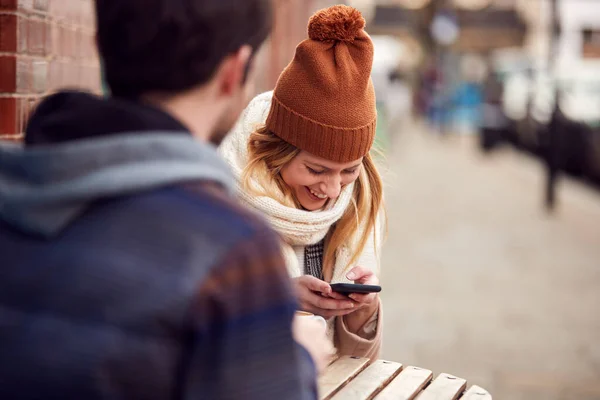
[(363, 276), (366, 304)]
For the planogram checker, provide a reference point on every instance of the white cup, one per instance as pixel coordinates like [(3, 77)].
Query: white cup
[(304, 314)]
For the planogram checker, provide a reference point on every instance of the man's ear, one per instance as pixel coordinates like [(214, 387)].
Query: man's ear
[(232, 72)]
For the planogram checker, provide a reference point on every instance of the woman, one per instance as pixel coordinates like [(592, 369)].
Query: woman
[(301, 154)]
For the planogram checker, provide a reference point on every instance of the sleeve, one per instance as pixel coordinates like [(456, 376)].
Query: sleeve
[(364, 343), (242, 345)]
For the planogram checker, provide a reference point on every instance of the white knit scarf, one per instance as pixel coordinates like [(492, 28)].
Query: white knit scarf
[(296, 227)]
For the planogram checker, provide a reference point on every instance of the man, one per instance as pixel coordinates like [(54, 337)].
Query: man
[(127, 270)]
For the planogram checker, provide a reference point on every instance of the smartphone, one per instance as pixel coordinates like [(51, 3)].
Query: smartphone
[(348, 288)]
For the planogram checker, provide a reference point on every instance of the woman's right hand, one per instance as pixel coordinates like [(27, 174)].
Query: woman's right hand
[(316, 297)]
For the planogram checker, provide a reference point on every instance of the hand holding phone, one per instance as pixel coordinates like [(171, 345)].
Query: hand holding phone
[(364, 288), (315, 297), (367, 303)]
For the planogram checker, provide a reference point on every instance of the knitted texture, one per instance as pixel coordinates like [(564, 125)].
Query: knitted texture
[(324, 100)]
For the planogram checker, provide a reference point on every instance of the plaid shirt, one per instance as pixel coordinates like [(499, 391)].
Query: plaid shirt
[(313, 259), (171, 294)]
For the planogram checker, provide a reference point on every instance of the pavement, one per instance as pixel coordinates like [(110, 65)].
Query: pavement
[(479, 281)]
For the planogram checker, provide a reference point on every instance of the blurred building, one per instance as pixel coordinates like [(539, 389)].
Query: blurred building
[(47, 45), (291, 20)]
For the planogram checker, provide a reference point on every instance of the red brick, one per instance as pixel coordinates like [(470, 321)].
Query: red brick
[(8, 32), (52, 39), (87, 78), (66, 73), (89, 45), (57, 48), (26, 5), (96, 85), (21, 114), (8, 116), (87, 15), (8, 5), (32, 103), (41, 5), (72, 9), (75, 12), (24, 75), (77, 74), (54, 75), (57, 10), (48, 36), (36, 37), (75, 44), (22, 33), (53, 9), (64, 45), (25, 107), (72, 44), (78, 44), (57, 74), (8, 74), (40, 76), (64, 10), (84, 46)]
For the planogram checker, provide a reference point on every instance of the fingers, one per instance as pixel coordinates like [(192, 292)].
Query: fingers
[(315, 284), (330, 304), (337, 296), (360, 298), (327, 307), (363, 300), (334, 313), (362, 275)]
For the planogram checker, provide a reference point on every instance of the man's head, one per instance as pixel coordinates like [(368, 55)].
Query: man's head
[(173, 51)]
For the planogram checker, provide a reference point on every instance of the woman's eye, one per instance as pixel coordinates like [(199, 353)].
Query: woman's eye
[(351, 171), (314, 171)]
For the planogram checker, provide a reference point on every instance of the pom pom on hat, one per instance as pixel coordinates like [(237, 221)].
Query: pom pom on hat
[(342, 23)]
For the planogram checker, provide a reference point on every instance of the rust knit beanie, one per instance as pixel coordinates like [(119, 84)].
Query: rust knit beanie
[(324, 100)]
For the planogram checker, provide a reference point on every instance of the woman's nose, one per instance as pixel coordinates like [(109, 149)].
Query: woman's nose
[(333, 187)]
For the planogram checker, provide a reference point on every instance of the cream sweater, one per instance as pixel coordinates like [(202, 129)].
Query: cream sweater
[(299, 228)]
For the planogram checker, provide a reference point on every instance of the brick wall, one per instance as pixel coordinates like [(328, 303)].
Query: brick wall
[(290, 28), (44, 45)]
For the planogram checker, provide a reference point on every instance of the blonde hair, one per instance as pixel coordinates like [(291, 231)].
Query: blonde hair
[(268, 154)]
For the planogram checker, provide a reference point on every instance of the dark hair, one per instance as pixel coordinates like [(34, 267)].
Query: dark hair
[(173, 45)]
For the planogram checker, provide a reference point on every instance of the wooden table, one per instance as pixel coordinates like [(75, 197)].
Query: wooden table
[(353, 378)]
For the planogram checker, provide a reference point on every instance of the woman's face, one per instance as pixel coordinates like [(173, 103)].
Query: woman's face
[(315, 180)]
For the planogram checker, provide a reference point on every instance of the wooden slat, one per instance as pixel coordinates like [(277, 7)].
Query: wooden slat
[(370, 381), (339, 373), (444, 387), (406, 385), (476, 393)]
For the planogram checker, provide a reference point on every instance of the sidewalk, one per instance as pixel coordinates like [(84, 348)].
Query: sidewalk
[(478, 281)]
